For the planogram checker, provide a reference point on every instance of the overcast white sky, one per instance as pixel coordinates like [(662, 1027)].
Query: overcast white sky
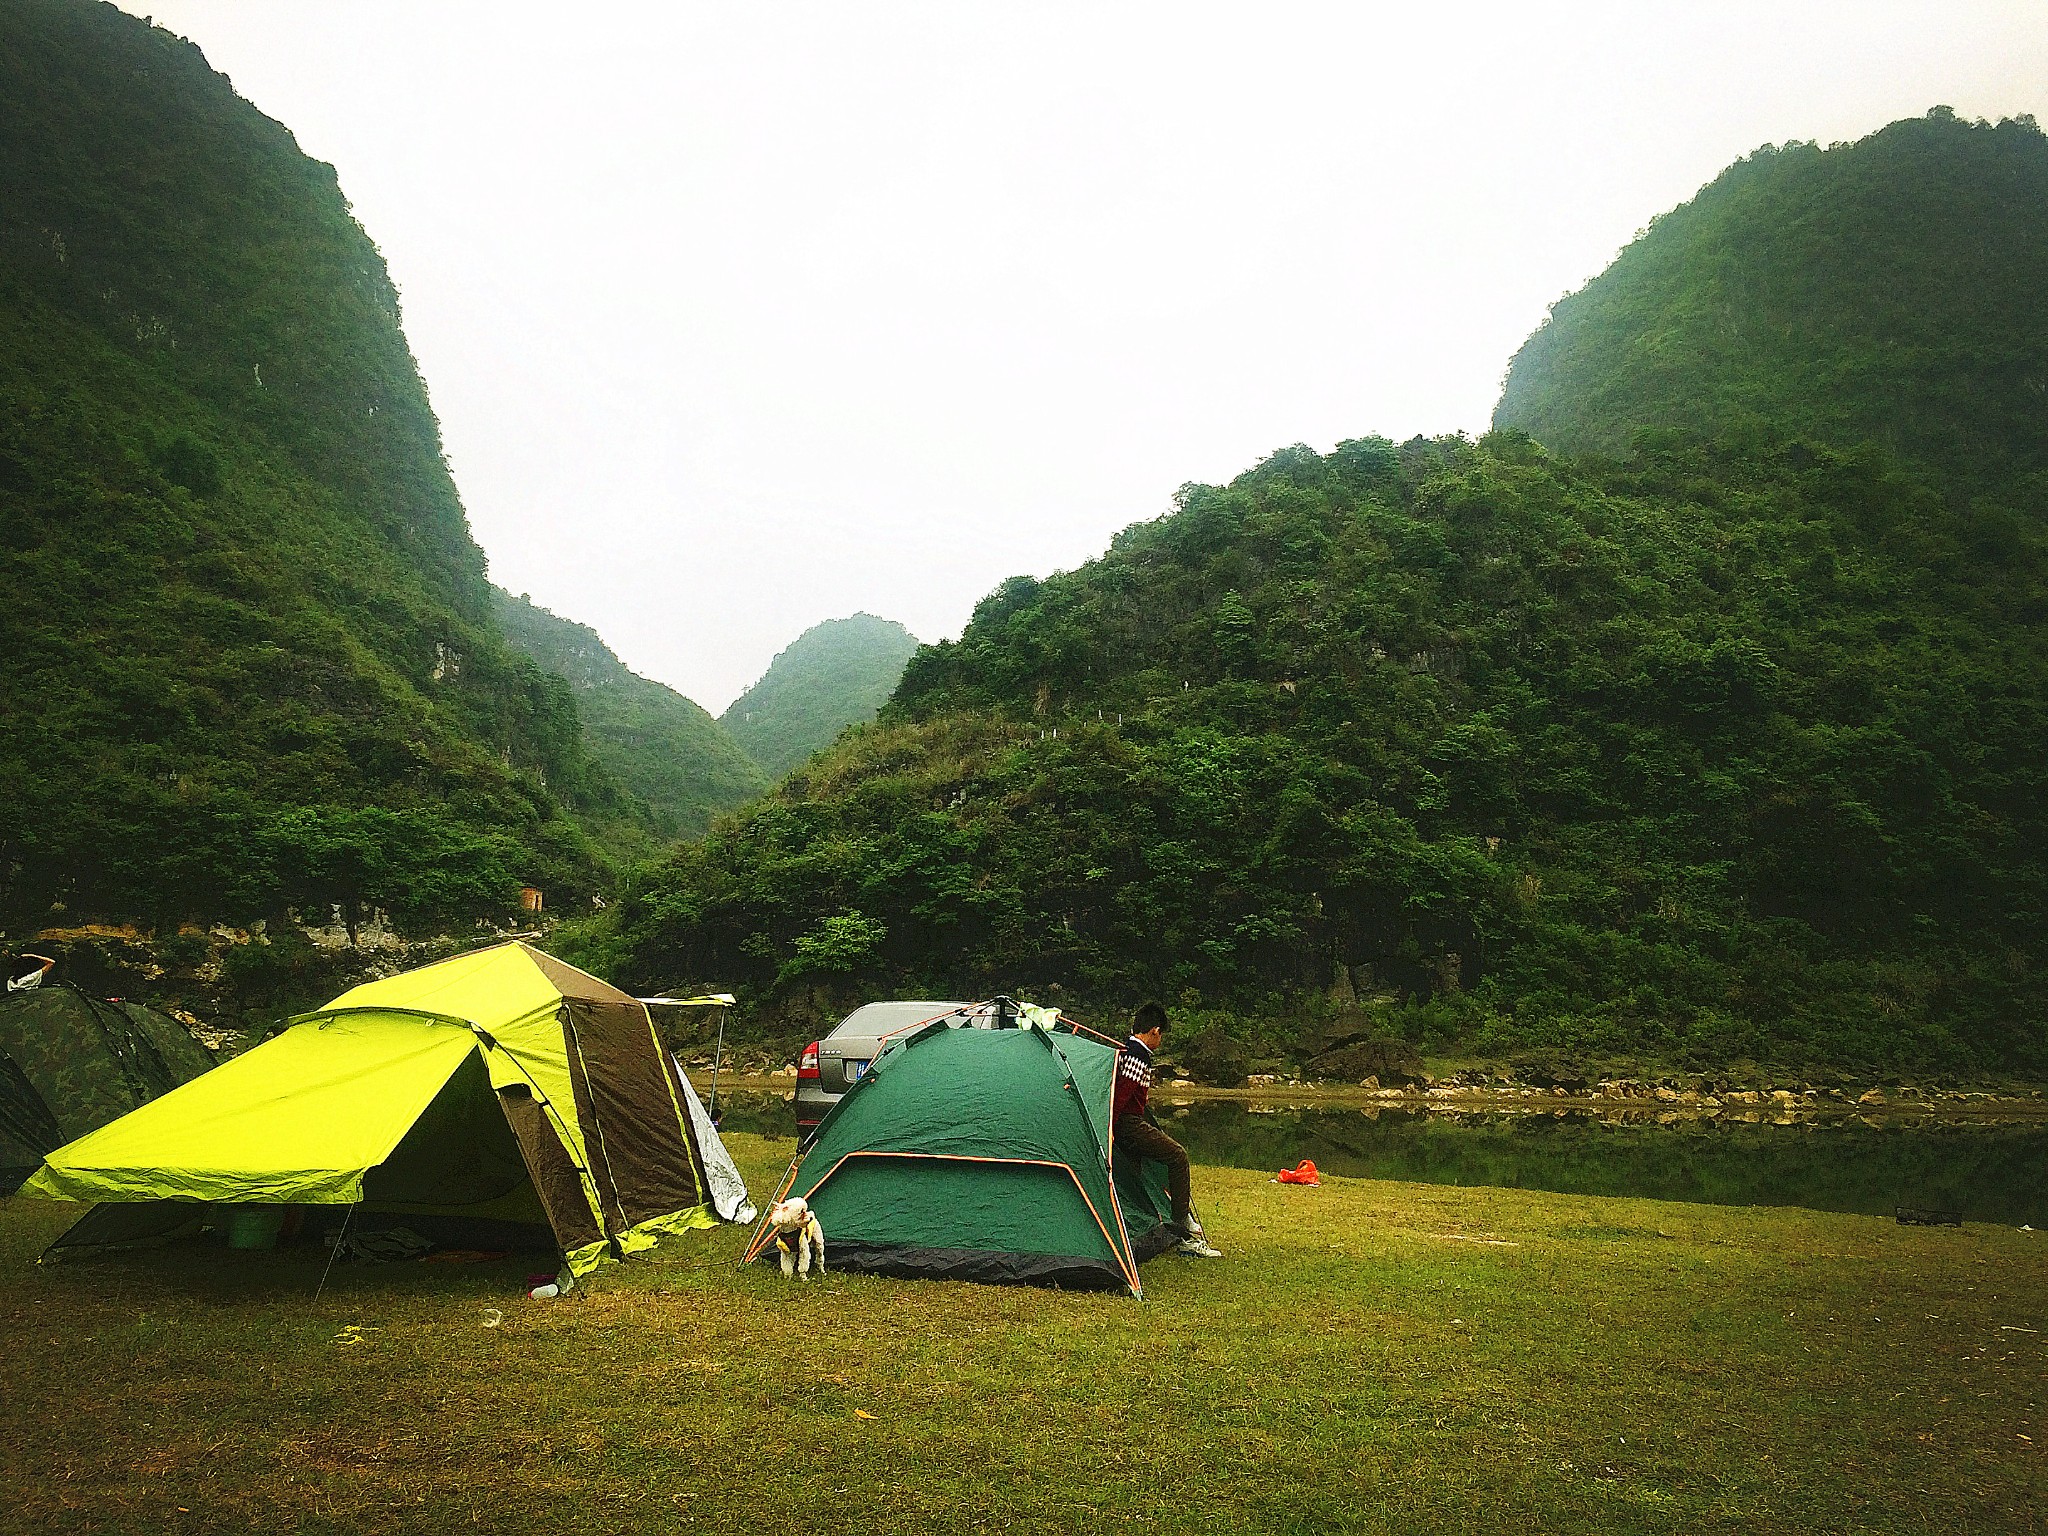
[(740, 317)]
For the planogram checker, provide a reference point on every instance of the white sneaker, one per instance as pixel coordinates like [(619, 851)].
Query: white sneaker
[(1196, 1246)]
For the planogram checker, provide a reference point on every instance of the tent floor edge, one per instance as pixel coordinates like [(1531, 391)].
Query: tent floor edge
[(643, 1235), (1070, 1272), (587, 1258), (124, 1227), (1155, 1242)]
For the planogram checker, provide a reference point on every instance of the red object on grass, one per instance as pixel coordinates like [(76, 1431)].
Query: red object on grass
[(1303, 1172)]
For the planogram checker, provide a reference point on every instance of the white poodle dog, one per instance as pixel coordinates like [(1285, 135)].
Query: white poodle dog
[(797, 1235)]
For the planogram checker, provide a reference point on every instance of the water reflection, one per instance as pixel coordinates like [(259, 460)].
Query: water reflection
[(1988, 1171)]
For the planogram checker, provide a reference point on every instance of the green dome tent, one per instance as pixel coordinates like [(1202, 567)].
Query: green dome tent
[(976, 1154), (500, 1086), (71, 1062)]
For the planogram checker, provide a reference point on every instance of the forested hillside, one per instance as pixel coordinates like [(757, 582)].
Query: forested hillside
[(1703, 756), (249, 652), (833, 675), (1721, 743), (1890, 291), (656, 743)]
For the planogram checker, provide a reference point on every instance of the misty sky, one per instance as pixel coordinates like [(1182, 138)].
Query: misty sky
[(741, 317)]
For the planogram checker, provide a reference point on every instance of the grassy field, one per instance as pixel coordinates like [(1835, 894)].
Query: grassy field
[(1370, 1357)]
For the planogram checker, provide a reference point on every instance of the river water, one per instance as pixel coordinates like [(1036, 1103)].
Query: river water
[(1986, 1169)]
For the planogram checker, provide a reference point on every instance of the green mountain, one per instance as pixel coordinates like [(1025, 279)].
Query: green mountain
[(1702, 756), (249, 655), (1892, 291), (655, 742), (833, 675), (1718, 742)]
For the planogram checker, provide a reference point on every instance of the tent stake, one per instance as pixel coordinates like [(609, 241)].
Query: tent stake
[(335, 1252)]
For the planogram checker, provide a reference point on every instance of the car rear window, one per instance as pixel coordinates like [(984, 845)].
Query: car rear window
[(885, 1018)]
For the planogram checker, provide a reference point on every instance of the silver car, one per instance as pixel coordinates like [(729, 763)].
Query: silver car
[(830, 1066)]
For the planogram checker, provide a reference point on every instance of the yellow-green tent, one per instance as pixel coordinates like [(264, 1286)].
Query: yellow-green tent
[(500, 1084)]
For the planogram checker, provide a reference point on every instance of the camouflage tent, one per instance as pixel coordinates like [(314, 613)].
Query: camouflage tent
[(70, 1063)]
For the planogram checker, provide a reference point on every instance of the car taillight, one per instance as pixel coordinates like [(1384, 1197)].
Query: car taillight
[(807, 1064)]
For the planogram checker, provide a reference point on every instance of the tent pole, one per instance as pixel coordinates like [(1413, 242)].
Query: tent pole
[(717, 1056), (782, 1188), (335, 1252)]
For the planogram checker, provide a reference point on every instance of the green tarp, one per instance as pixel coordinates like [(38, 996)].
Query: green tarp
[(982, 1155)]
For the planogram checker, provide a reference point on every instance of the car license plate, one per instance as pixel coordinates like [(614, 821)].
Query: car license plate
[(854, 1070)]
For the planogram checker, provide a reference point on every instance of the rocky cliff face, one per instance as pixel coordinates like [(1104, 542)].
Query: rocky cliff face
[(234, 983)]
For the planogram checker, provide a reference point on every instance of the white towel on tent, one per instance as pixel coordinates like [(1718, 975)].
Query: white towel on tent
[(728, 1189)]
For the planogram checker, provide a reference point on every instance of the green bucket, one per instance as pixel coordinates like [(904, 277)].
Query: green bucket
[(253, 1226)]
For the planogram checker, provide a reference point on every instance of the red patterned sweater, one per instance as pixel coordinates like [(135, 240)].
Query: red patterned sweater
[(1133, 1094)]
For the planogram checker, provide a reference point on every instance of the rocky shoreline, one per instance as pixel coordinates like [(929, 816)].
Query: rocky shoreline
[(1650, 1093), (1635, 1100), (1626, 1097), (230, 984)]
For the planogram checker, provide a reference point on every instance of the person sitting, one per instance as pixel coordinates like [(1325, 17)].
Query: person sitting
[(1135, 1132)]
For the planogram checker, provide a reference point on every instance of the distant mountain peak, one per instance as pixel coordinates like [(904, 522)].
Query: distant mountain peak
[(836, 673), (1890, 291), (658, 744)]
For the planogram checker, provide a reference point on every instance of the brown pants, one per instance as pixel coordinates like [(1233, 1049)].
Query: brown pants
[(1136, 1137)]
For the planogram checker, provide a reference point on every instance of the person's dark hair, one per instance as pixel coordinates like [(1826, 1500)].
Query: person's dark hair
[(1149, 1016)]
